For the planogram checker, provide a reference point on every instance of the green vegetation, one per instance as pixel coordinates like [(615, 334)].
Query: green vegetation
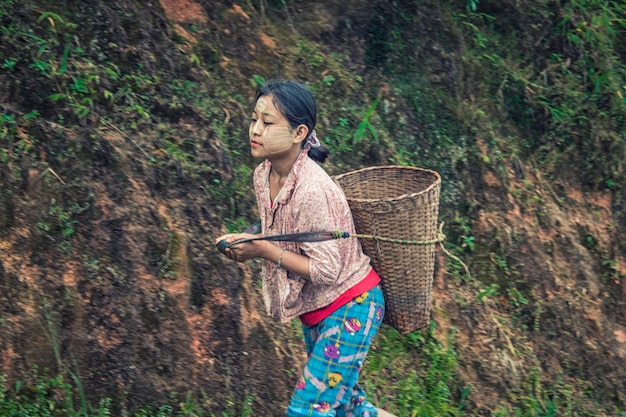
[(566, 94), (496, 84), (424, 370), (46, 396), (43, 397)]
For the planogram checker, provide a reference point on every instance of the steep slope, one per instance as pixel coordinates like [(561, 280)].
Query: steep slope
[(552, 317), (123, 154), (109, 213)]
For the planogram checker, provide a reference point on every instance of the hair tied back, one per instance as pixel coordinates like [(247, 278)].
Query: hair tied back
[(313, 140)]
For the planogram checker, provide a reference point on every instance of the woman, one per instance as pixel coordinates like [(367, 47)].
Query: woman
[(330, 286)]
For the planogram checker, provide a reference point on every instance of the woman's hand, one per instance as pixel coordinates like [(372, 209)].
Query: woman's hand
[(243, 251)]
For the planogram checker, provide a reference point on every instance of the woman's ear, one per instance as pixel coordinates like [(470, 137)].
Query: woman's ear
[(301, 133)]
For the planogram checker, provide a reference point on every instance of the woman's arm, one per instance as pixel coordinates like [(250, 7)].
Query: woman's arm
[(294, 262), (290, 261)]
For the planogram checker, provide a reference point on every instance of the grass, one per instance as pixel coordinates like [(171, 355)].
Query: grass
[(427, 389), (53, 396), (423, 369), (44, 396)]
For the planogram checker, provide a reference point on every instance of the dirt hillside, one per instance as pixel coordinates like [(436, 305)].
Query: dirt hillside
[(109, 210)]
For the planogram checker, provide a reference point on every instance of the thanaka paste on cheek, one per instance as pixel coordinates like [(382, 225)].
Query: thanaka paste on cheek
[(277, 139)]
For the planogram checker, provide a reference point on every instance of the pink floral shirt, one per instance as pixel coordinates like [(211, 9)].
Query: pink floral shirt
[(308, 201)]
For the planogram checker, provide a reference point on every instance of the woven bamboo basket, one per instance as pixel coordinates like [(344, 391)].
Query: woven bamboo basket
[(401, 203)]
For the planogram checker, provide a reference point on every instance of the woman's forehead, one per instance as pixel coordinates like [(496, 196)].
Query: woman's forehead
[(265, 105), (261, 104)]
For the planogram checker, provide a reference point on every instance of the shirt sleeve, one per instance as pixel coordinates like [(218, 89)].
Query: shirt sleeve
[(324, 209)]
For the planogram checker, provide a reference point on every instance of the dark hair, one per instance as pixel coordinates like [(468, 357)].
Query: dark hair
[(296, 102)]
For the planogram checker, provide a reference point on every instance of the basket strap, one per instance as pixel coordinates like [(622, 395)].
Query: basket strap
[(337, 234), (439, 238)]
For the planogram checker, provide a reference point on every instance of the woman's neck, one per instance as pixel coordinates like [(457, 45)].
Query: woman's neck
[(282, 167)]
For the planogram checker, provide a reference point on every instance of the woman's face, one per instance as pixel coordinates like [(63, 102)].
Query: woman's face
[(270, 133)]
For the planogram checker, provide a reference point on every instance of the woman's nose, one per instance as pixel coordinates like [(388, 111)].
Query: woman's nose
[(256, 128)]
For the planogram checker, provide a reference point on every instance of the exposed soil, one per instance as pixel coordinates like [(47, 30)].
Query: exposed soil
[(142, 307)]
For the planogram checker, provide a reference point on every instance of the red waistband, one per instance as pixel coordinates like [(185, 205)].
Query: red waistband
[(314, 317)]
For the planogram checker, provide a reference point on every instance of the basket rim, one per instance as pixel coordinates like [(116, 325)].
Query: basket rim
[(391, 167)]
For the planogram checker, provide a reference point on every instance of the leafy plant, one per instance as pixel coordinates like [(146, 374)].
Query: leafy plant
[(472, 5), (366, 125), (257, 80)]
